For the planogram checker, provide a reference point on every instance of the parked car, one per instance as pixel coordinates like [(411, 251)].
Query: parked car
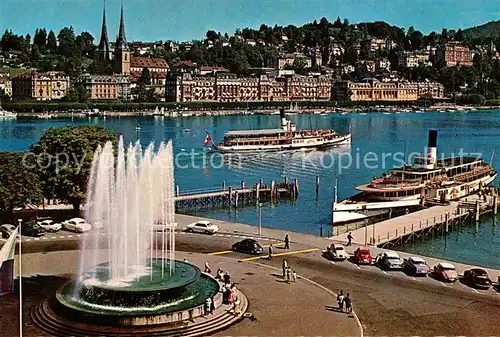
[(202, 227), (446, 272), (49, 225), (31, 228), (415, 266), (336, 252), (78, 225), (7, 230), (362, 256), (249, 246), (477, 278), (389, 261)]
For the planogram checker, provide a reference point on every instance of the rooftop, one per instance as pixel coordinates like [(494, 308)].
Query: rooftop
[(146, 62), (254, 132)]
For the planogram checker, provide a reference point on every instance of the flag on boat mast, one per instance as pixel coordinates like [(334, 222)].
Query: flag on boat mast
[(208, 139), (7, 264)]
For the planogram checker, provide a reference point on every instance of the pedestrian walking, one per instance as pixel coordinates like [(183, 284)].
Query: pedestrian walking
[(287, 242), (284, 266), (208, 306), (294, 276), (340, 300), (348, 304), (207, 268), (288, 274), (349, 238), (270, 256)]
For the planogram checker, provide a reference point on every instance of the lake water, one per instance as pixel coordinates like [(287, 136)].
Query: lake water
[(379, 142)]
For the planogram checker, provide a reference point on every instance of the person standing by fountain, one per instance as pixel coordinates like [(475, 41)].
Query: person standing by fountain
[(208, 306), (285, 265), (270, 256), (207, 268)]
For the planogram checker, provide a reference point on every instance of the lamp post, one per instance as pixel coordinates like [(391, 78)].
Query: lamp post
[(20, 282), (260, 219)]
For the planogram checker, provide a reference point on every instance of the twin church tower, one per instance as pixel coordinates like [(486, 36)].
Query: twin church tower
[(116, 61)]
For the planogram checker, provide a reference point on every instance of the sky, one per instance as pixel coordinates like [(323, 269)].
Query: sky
[(185, 20)]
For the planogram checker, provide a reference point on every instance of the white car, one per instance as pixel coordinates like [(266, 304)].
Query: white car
[(78, 225), (336, 252), (202, 227), (50, 225)]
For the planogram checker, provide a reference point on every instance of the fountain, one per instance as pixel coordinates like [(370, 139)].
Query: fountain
[(131, 196)]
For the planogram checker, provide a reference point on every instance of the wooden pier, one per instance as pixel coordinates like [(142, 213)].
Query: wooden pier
[(233, 197), (413, 226)]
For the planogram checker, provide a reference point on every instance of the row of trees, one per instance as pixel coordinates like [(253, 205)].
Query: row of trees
[(57, 167), (68, 52)]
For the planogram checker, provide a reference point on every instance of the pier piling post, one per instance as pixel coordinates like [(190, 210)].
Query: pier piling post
[(478, 210), (495, 205), (285, 180), (243, 184), (273, 190), (177, 190), (446, 222), (317, 185), (261, 183), (257, 192), (229, 197), (296, 187), (223, 186), (235, 199)]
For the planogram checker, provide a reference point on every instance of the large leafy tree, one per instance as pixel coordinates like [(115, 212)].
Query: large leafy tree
[(19, 182), (65, 155)]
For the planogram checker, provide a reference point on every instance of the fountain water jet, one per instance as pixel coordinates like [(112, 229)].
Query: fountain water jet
[(129, 202)]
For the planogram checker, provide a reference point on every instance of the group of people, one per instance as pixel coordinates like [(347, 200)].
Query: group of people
[(288, 274), (229, 295), (344, 300)]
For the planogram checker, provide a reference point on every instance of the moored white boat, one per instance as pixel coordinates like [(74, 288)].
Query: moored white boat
[(405, 188), (6, 115)]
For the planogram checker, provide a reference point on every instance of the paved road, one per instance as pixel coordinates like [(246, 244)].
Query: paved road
[(388, 303)]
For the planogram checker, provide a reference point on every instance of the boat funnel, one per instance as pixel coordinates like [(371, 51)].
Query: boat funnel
[(432, 149), (283, 117)]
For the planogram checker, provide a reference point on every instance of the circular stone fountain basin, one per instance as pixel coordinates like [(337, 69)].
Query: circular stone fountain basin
[(147, 299)]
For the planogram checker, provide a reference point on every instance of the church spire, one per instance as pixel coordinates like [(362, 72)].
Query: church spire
[(104, 42), (121, 41)]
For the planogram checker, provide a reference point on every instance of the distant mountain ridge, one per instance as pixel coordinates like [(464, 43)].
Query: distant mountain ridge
[(483, 32)]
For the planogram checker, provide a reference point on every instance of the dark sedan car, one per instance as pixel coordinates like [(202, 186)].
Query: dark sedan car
[(248, 246), (477, 278), (389, 261), (415, 266)]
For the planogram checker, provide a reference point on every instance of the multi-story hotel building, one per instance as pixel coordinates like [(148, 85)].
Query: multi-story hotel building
[(452, 54), (40, 86), (374, 90), (226, 87), (158, 69), (105, 86)]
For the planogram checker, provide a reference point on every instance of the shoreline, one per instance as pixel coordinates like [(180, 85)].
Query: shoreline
[(234, 112)]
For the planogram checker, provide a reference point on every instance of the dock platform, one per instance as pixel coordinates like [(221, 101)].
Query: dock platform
[(408, 227), (234, 197)]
